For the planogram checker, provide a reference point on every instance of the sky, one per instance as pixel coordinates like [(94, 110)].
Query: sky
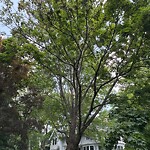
[(3, 28)]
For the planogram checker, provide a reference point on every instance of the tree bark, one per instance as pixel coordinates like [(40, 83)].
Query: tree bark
[(72, 147), (73, 140), (72, 143), (23, 145), (24, 142)]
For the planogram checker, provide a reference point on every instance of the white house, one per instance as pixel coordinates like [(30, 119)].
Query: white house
[(85, 144), (120, 145)]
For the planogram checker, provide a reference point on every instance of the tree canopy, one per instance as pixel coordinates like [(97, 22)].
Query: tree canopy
[(85, 48)]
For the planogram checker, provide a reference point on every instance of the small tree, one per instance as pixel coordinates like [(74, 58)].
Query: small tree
[(86, 47), (18, 98), (131, 109)]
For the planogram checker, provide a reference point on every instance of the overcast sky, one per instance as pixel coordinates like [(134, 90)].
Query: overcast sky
[(3, 28)]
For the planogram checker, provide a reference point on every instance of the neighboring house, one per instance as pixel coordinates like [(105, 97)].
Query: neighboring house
[(85, 144), (120, 145)]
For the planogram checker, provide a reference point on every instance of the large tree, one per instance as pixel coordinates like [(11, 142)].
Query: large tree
[(86, 47)]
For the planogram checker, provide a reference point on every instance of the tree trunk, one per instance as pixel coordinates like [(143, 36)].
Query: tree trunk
[(73, 142), (23, 145), (24, 142), (72, 146)]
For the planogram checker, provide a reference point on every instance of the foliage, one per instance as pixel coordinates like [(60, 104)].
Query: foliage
[(18, 98), (100, 128), (131, 111)]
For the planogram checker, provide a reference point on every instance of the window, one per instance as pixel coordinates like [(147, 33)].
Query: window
[(91, 147), (55, 141), (88, 148), (119, 147)]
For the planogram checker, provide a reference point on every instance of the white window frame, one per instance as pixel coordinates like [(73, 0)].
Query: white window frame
[(88, 147)]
